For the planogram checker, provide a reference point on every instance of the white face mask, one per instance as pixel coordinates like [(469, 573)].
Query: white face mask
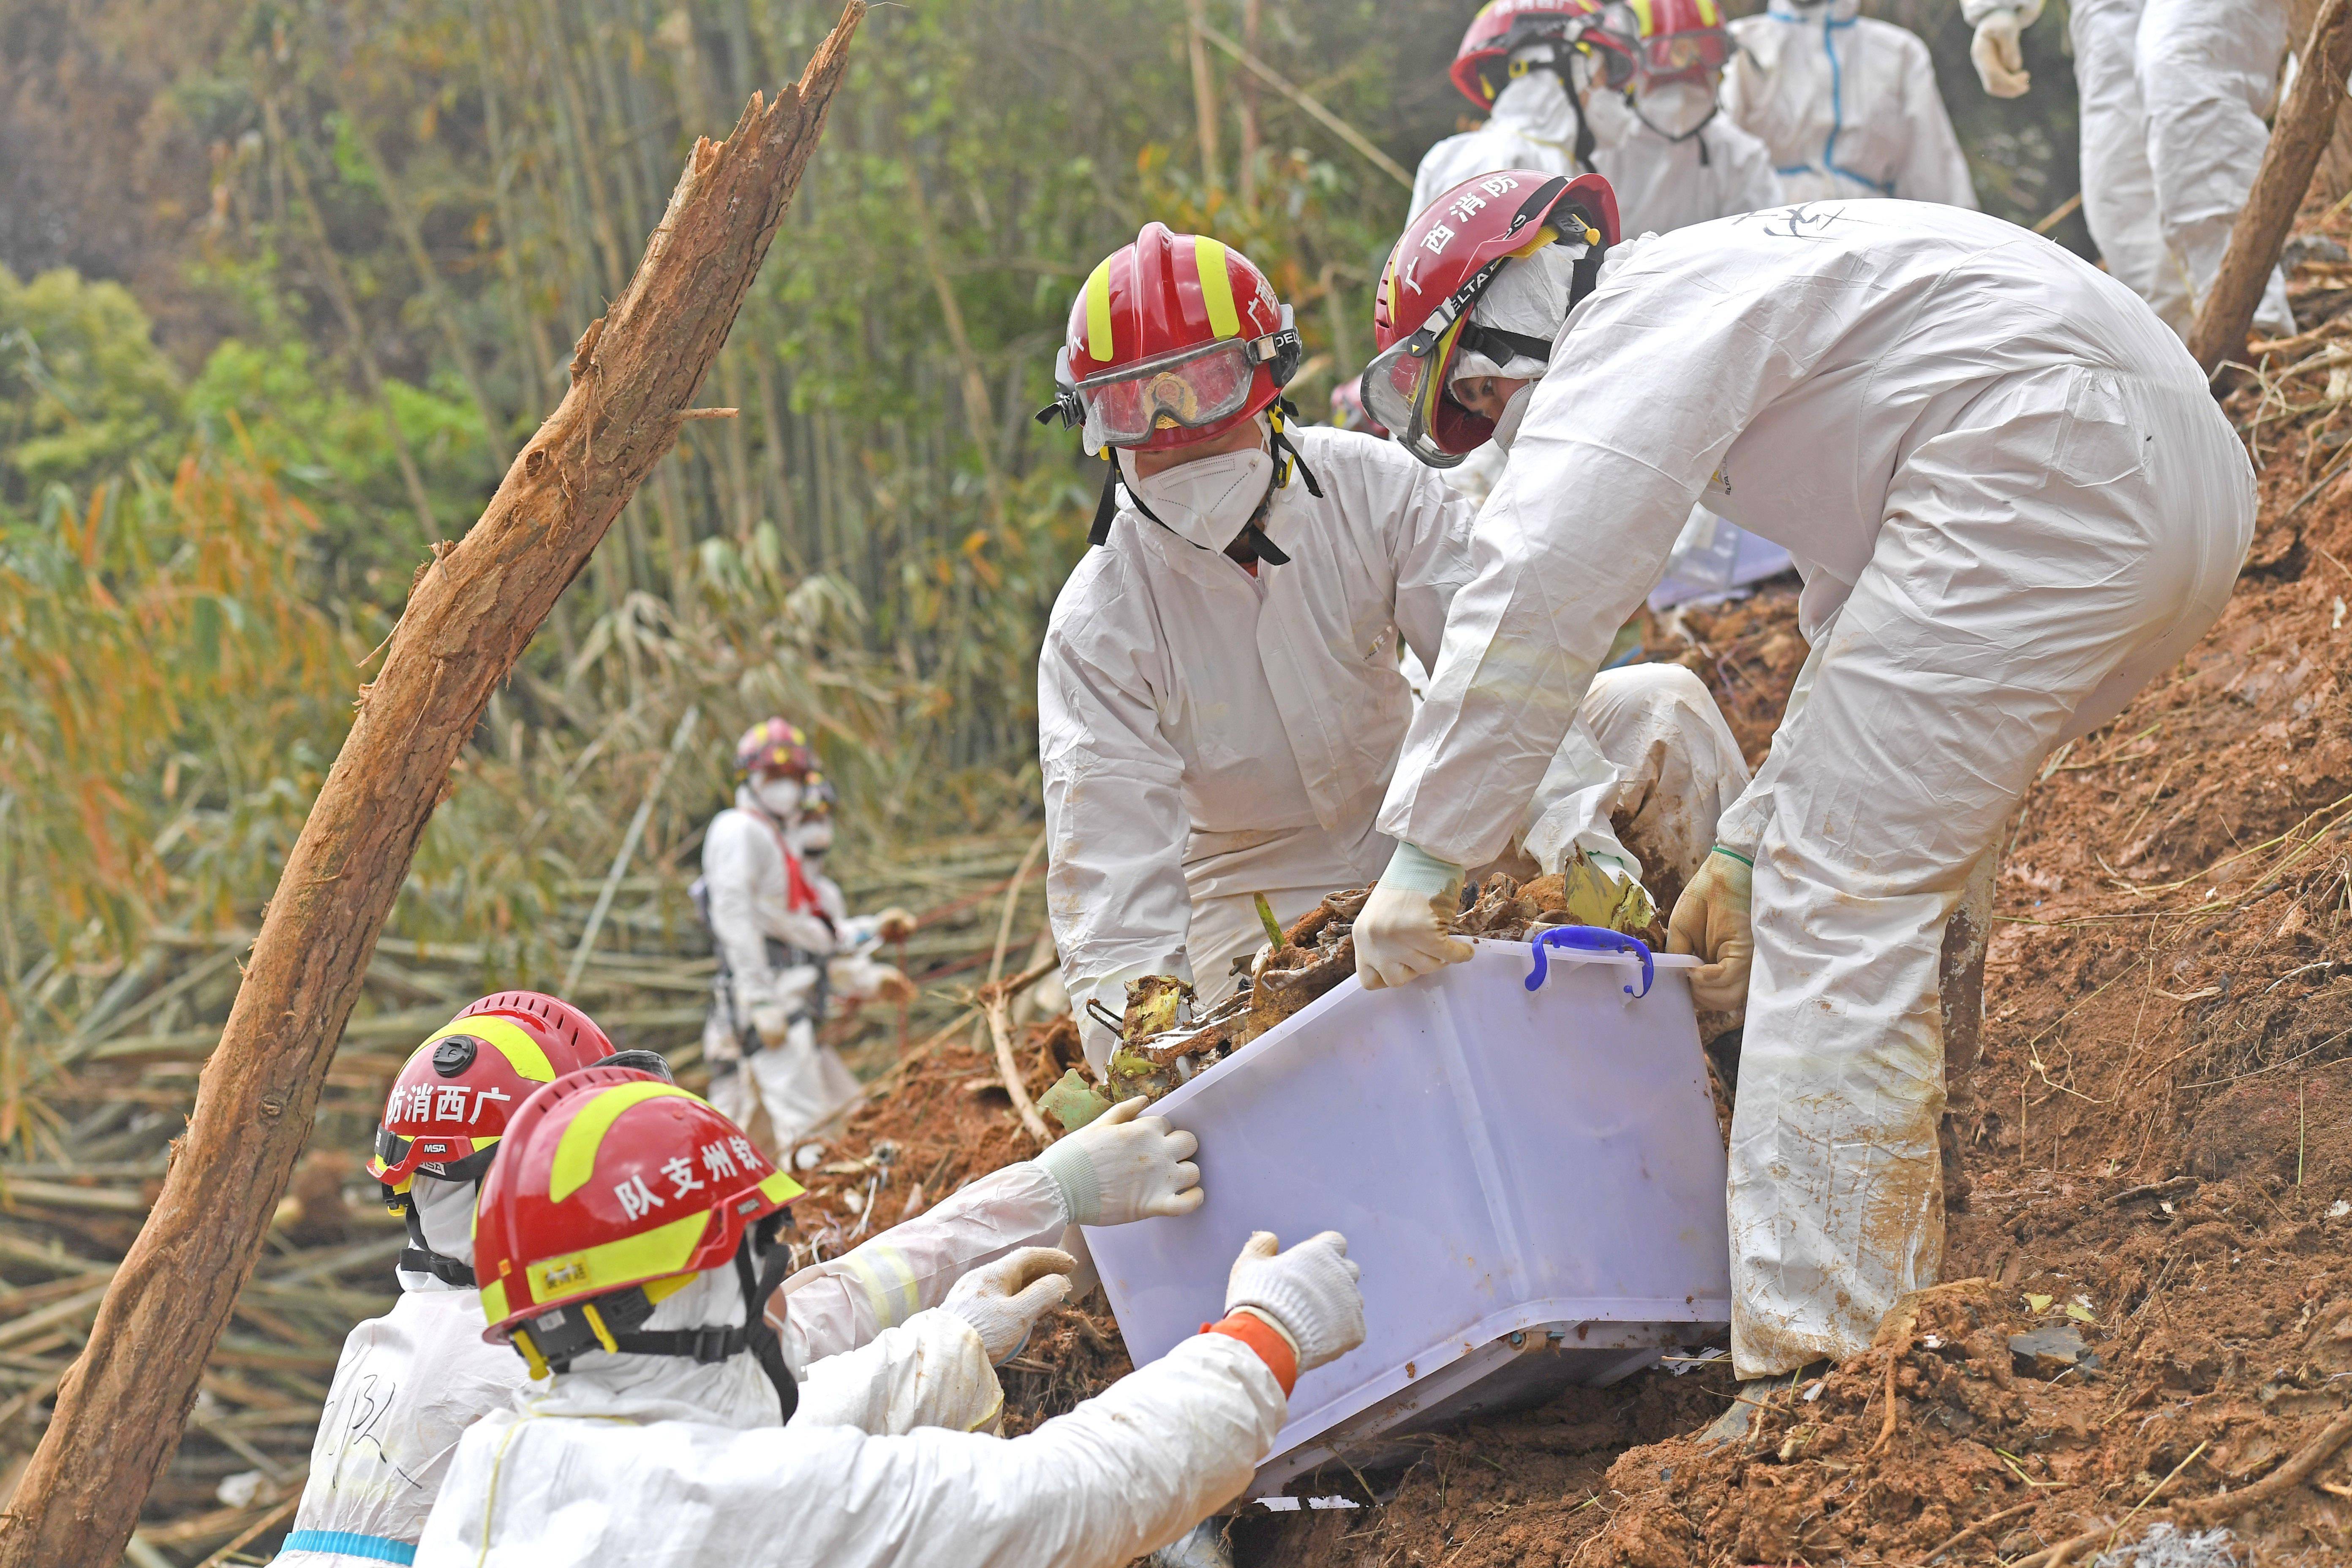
[(1611, 118), (1206, 501), (812, 838), (1675, 109), (1506, 426), (445, 1211), (779, 797)]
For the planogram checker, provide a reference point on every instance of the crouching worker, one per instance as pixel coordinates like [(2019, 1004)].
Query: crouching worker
[(1219, 705), (411, 1382), (777, 939), (632, 1234)]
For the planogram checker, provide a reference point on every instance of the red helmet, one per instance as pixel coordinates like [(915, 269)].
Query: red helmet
[(774, 746), (1174, 339), (1442, 264), (618, 1190), (1605, 33), (451, 1104), (1348, 411), (1681, 38)]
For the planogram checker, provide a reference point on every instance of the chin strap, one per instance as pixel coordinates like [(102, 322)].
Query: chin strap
[(1106, 509), (1584, 139), (710, 1346), (417, 1257)]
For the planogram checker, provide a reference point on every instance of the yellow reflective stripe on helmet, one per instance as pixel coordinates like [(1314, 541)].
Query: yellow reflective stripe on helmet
[(631, 1260), (575, 1151), (1641, 13), (888, 1280), (494, 1300), (779, 1188), (1097, 292), (1710, 12), (1216, 286), (515, 1044)]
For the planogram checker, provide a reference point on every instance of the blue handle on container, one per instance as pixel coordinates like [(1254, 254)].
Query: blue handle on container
[(1593, 939)]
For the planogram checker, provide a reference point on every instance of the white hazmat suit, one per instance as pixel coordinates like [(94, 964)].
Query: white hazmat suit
[(2173, 94), (1207, 735), (775, 937), (2014, 503), (1847, 104), (410, 1384)]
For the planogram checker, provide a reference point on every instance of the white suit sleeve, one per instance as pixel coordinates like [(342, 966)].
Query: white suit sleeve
[(1126, 1472), (931, 1371), (1115, 817), (842, 1303), (1933, 169), (1429, 526), (1555, 579), (730, 866)]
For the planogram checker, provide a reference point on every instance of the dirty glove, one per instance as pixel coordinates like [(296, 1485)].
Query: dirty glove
[(1401, 934), (771, 1023), (1999, 56), (894, 924), (1711, 919), (891, 986), (1307, 1293), (1124, 1165), (1003, 1299)]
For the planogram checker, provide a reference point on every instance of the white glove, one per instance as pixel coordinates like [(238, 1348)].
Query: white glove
[(2000, 57), (1307, 1293), (1401, 934), (1711, 919), (1124, 1165), (1003, 1299), (771, 1023)]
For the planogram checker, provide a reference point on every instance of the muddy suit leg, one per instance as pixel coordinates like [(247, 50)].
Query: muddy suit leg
[(2034, 568)]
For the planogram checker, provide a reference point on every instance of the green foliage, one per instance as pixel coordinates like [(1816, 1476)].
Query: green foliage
[(83, 389)]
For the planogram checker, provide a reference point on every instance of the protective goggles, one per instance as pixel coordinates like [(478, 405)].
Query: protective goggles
[(1707, 49), (452, 1159), (1189, 388), (1611, 40), (1405, 386)]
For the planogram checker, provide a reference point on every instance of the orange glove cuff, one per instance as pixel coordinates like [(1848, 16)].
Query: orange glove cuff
[(1264, 1338)]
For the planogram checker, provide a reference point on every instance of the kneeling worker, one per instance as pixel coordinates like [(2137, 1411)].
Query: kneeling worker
[(1219, 700), (630, 1234)]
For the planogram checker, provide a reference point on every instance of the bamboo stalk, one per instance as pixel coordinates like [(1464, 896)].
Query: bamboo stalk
[(1306, 100), (1205, 96), (122, 1407)]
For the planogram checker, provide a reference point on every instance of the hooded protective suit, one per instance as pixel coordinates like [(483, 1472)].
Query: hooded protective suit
[(1207, 735), (648, 1467), (2173, 94), (774, 937), (1847, 104), (407, 1387), (1660, 184), (2014, 503)]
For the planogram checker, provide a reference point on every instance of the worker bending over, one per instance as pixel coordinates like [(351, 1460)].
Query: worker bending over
[(632, 1232), (1219, 701), (2174, 93), (410, 1382), (1847, 103), (780, 940), (2013, 500)]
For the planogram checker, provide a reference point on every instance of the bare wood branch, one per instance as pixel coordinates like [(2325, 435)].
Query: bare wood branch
[(2305, 122), (473, 609)]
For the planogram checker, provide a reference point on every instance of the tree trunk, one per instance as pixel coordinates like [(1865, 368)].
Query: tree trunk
[(471, 611), (2335, 176), (2305, 122)]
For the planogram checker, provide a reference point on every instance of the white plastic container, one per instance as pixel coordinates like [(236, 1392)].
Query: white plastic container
[(1533, 1183)]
